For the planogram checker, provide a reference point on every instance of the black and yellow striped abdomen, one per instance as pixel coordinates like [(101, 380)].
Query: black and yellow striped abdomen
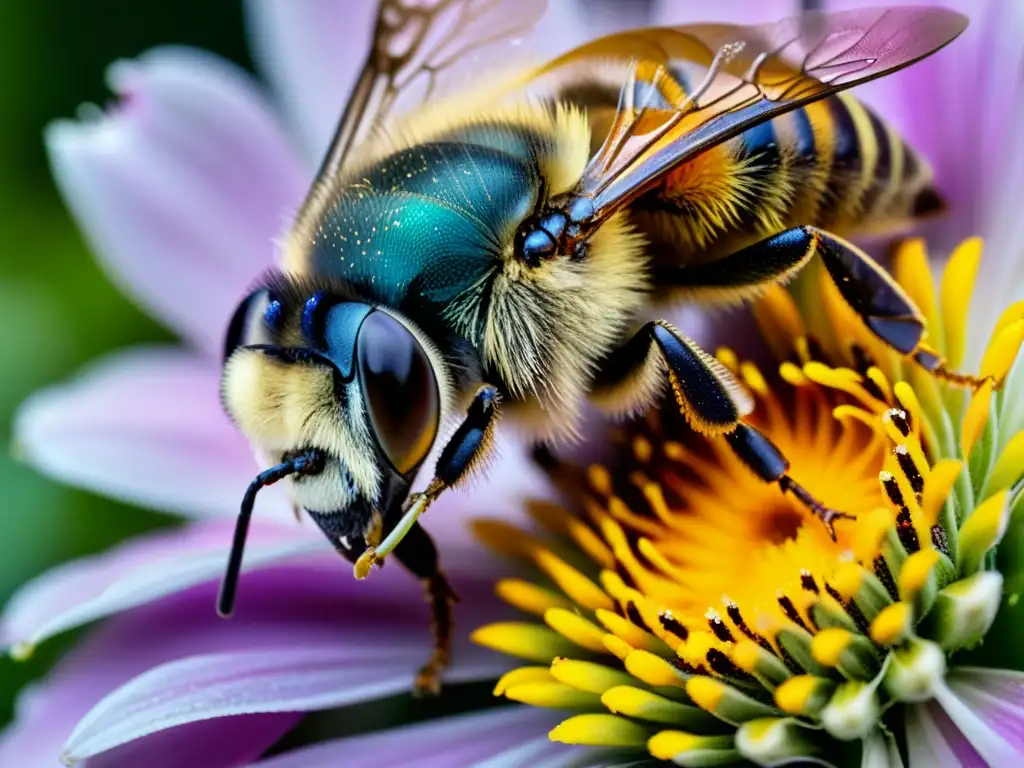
[(832, 164)]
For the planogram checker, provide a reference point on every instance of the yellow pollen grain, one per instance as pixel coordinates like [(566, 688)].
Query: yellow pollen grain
[(522, 676), (915, 572), (795, 693), (955, 296), (1002, 351), (829, 645), (975, 418), (575, 628), (574, 584), (528, 597), (599, 730), (937, 487), (1009, 467), (891, 624), (667, 744), (707, 693)]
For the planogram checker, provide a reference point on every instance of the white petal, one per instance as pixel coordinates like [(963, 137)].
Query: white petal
[(145, 425), (140, 571), (504, 736), (181, 187)]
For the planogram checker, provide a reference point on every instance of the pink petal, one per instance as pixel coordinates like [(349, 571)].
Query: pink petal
[(281, 608), (505, 736), (181, 187), (996, 696), (141, 571), (145, 425)]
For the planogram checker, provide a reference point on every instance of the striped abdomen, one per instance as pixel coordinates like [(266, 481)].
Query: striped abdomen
[(833, 164)]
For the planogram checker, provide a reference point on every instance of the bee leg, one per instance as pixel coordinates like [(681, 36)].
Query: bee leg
[(418, 554), (630, 378), (763, 457), (883, 306), (463, 452)]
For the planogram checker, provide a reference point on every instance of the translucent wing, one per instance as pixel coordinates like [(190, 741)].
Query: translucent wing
[(732, 78), (415, 44)]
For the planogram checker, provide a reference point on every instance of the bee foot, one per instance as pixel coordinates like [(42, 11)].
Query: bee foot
[(829, 516), (428, 680)]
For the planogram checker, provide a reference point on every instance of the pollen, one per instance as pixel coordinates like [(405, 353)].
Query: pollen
[(690, 610)]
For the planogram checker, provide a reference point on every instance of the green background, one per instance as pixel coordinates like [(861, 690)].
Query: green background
[(57, 309)]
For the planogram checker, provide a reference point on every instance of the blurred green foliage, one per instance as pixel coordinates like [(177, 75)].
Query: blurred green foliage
[(57, 309)]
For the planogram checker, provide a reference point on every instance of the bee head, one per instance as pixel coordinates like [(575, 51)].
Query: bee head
[(311, 372)]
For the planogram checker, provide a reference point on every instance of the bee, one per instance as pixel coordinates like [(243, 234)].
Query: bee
[(492, 254)]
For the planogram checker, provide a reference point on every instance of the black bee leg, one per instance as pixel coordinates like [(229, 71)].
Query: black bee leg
[(886, 309), (463, 452), (418, 553), (764, 458), (710, 398)]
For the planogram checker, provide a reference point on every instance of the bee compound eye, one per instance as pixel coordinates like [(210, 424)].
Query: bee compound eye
[(257, 317), (400, 390)]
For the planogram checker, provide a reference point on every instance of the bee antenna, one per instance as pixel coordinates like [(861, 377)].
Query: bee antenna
[(308, 463)]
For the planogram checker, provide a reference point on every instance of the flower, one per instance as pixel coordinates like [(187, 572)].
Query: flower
[(691, 611)]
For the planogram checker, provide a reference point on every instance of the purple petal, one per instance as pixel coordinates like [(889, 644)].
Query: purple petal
[(181, 187), (996, 696), (505, 736), (672, 12), (314, 606), (933, 739), (314, 668), (146, 426), (312, 51), (141, 571)]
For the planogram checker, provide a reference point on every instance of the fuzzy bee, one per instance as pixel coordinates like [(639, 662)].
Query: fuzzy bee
[(502, 246)]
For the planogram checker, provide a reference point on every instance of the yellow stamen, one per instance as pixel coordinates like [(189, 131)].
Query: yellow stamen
[(553, 695), (644, 705), (976, 418), (574, 584), (600, 731), (913, 272), (706, 692), (521, 676), (983, 530), (529, 597), (654, 670), (1009, 467), (829, 645), (937, 487), (957, 287), (916, 572), (1002, 352), (587, 675), (525, 641), (577, 629), (668, 745), (802, 694), (892, 624)]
